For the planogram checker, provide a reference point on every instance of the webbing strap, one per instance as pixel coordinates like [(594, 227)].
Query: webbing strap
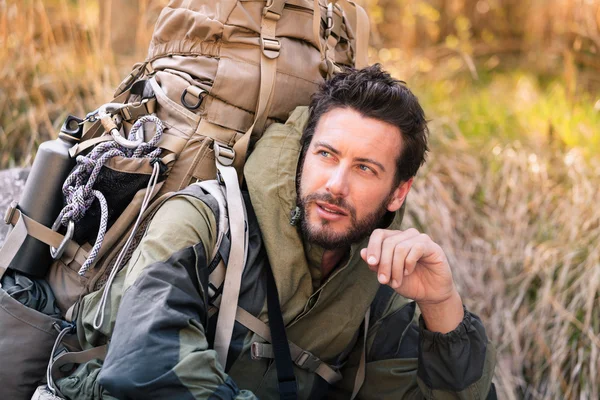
[(12, 244), (317, 27), (77, 357), (360, 373), (270, 47), (78, 148), (359, 21), (301, 357), (237, 258), (288, 387), (25, 226)]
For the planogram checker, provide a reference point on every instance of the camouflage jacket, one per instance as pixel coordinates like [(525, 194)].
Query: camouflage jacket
[(161, 339)]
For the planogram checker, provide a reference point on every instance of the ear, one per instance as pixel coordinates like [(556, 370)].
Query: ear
[(399, 195)]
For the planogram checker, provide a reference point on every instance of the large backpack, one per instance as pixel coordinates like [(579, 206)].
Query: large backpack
[(217, 73)]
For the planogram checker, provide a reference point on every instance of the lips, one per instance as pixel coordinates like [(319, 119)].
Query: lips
[(331, 208)]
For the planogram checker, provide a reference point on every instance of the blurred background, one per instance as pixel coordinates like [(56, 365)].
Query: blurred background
[(510, 189)]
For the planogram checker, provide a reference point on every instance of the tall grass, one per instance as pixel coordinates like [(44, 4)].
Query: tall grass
[(510, 188), (521, 228), (51, 65)]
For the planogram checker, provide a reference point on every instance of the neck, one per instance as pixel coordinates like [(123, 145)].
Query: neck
[(331, 258)]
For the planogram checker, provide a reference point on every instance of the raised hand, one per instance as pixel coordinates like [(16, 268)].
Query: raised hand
[(416, 268)]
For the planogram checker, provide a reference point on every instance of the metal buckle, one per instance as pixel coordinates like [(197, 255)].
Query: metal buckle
[(306, 360), (225, 155), (10, 212), (56, 253)]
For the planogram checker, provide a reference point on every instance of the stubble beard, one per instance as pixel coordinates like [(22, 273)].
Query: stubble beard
[(320, 234)]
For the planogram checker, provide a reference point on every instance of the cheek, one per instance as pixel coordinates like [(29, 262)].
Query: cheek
[(369, 199), (310, 177)]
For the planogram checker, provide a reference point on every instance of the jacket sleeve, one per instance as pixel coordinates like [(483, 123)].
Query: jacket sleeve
[(406, 361), (159, 347)]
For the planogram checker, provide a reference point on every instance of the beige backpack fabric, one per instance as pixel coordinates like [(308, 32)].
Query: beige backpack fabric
[(216, 74)]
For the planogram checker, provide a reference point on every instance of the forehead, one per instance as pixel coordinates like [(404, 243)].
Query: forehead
[(350, 132)]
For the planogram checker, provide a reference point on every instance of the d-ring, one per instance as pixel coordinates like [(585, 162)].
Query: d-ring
[(57, 253), (185, 103)]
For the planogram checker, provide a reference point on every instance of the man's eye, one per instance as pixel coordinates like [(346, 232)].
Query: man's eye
[(365, 168), (324, 153)]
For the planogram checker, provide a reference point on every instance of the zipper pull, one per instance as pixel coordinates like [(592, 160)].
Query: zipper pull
[(295, 216)]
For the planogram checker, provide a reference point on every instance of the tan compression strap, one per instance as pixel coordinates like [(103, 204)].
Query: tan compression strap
[(359, 21), (172, 143), (360, 373), (302, 358), (25, 226), (13, 241), (132, 111), (270, 47), (82, 146), (77, 357), (317, 27), (136, 72), (237, 255)]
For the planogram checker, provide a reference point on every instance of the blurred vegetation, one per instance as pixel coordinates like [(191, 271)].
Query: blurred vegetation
[(512, 89)]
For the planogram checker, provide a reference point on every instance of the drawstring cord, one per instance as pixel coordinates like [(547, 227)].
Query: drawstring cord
[(78, 187)]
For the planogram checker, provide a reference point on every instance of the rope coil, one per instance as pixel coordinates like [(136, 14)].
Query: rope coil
[(78, 187)]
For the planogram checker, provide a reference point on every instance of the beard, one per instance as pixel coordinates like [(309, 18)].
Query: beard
[(320, 232)]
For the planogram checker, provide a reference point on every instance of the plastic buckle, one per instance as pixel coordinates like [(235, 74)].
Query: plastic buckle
[(224, 155), (270, 14), (254, 351), (10, 212), (162, 167), (329, 20), (306, 360), (270, 47)]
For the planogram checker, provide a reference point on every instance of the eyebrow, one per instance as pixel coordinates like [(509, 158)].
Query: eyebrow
[(361, 159)]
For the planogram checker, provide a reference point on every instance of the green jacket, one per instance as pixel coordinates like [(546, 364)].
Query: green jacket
[(161, 338)]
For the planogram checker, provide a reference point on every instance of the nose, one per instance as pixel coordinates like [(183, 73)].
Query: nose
[(337, 183)]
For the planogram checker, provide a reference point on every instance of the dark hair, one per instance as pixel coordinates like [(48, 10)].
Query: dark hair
[(375, 94)]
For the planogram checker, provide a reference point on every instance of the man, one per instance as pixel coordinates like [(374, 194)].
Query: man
[(345, 181)]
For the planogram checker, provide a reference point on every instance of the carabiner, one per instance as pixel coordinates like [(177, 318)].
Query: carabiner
[(56, 253)]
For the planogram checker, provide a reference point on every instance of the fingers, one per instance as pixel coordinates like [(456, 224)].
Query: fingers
[(375, 243), (383, 252)]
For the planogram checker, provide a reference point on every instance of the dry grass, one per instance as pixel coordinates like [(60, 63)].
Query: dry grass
[(522, 230), (518, 220)]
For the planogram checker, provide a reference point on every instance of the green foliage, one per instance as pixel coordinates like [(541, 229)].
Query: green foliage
[(513, 105)]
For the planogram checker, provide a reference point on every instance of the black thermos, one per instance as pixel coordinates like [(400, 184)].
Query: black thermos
[(42, 198)]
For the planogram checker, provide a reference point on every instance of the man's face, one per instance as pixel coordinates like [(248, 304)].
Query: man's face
[(347, 179)]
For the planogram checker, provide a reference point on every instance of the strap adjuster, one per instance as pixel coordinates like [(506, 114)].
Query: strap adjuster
[(255, 353), (329, 20), (132, 110), (273, 11), (224, 155), (270, 47), (10, 212), (306, 360)]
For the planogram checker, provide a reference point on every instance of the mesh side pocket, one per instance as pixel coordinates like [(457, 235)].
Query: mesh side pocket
[(118, 181)]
